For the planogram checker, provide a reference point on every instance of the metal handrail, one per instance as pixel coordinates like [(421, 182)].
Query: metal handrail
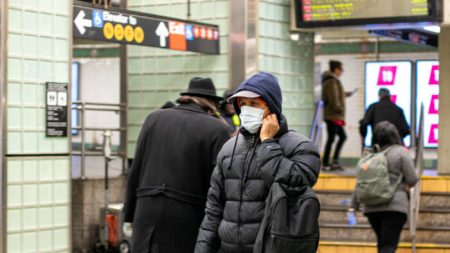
[(121, 129), (316, 127), (97, 104), (82, 107), (77, 105), (415, 191), (97, 153), (98, 109)]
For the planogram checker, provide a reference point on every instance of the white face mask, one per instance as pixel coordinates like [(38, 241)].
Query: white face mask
[(251, 118)]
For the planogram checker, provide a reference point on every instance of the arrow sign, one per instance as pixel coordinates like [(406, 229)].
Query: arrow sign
[(92, 22), (162, 33), (81, 23)]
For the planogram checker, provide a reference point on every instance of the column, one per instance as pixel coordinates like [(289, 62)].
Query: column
[(444, 103), (37, 167)]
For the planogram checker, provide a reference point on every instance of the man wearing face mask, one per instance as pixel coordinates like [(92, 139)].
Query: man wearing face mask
[(263, 152)]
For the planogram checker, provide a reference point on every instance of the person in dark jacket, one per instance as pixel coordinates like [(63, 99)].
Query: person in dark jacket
[(333, 96), (169, 179), (384, 110), (167, 105), (263, 152), (229, 114)]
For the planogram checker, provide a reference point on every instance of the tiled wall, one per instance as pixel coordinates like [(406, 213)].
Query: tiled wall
[(38, 214), (291, 61), (156, 76), (38, 210)]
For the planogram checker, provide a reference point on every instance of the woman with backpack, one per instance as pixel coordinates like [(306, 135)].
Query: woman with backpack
[(386, 214)]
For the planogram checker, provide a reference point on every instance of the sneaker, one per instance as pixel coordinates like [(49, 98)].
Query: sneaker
[(326, 168), (336, 166)]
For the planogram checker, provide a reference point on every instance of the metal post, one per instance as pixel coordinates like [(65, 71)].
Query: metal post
[(83, 148), (415, 191), (189, 9), (107, 154), (124, 100)]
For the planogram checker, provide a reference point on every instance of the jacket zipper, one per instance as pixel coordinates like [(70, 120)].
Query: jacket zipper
[(248, 158)]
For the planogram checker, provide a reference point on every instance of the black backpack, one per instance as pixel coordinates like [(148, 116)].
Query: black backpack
[(291, 221)]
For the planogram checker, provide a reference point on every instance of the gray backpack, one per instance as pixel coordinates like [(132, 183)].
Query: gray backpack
[(373, 186)]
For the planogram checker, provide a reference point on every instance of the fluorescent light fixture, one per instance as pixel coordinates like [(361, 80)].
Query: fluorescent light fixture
[(433, 28), (295, 36)]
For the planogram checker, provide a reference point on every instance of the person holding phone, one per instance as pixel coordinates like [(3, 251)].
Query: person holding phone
[(333, 96), (263, 152)]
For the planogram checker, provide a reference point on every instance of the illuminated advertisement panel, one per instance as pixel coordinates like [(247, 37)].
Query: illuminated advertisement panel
[(427, 79), (395, 76)]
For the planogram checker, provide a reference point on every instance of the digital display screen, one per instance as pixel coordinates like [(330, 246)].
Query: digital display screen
[(428, 94), (362, 12), (320, 10), (396, 77)]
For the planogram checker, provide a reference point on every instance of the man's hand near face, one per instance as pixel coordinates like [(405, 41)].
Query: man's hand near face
[(269, 127)]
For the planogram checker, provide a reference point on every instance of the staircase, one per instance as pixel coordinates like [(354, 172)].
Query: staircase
[(433, 233)]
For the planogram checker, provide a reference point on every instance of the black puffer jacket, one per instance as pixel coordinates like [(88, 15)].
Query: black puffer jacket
[(241, 182)]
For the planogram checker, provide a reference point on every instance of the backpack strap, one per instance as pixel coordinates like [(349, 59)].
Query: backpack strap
[(384, 152)]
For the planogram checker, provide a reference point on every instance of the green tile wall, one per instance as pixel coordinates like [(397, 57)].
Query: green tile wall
[(157, 75), (291, 61), (36, 55), (38, 188)]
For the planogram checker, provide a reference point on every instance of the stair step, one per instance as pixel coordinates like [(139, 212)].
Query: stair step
[(439, 184), (358, 247), (428, 200), (363, 233), (430, 217)]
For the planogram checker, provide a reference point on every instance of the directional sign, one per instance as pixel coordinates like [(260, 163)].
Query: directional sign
[(128, 27), (162, 33), (81, 23)]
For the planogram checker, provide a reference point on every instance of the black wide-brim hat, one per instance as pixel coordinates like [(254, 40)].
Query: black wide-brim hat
[(202, 87)]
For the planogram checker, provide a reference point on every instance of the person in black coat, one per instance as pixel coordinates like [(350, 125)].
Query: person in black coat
[(384, 110), (263, 152), (169, 179)]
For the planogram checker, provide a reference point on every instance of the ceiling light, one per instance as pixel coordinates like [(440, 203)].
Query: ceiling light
[(432, 28)]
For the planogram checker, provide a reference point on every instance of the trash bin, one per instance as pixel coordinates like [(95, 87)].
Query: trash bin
[(119, 233)]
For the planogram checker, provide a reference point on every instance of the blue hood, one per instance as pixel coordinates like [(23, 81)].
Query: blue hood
[(266, 85)]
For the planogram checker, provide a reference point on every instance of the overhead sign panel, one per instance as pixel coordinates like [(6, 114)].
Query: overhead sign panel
[(317, 13), (410, 36), (428, 94), (394, 76), (136, 28)]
